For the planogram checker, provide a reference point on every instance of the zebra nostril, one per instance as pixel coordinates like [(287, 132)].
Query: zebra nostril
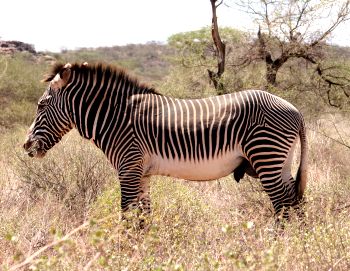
[(27, 144)]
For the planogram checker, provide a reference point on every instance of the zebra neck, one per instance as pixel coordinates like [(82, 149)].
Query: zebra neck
[(99, 108)]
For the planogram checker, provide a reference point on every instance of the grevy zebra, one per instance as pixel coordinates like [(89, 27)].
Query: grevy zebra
[(144, 133)]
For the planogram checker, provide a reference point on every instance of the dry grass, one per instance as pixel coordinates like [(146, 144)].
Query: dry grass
[(194, 226)]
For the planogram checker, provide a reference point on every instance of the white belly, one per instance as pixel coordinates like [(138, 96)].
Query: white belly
[(202, 170)]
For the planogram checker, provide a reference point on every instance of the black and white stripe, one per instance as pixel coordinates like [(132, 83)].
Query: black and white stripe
[(144, 133)]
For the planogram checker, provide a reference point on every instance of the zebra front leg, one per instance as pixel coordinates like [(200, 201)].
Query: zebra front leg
[(144, 200), (135, 199)]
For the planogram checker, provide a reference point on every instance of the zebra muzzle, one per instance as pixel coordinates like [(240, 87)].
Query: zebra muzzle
[(33, 148)]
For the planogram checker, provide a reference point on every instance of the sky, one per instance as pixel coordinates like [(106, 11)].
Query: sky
[(71, 24)]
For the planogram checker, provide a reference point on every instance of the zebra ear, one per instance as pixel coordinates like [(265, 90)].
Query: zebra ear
[(61, 78)]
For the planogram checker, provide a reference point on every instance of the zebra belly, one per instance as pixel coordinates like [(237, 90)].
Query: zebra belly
[(202, 170)]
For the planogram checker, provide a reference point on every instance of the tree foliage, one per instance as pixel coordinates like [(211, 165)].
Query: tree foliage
[(196, 48), (292, 29), (196, 53)]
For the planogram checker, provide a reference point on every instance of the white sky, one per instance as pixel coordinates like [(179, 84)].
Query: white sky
[(53, 25)]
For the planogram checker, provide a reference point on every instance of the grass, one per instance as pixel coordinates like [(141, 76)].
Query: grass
[(194, 226), (66, 206)]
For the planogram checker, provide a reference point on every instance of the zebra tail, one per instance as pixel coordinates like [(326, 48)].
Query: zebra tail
[(301, 177)]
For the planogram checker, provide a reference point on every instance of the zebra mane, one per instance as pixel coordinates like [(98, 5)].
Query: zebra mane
[(100, 68), (57, 68)]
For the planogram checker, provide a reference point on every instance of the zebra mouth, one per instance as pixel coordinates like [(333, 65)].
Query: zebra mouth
[(34, 149)]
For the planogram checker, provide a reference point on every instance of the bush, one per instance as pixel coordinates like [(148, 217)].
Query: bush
[(20, 87), (74, 172)]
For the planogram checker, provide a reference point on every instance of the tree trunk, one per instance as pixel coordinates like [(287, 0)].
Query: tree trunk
[(215, 77), (271, 74)]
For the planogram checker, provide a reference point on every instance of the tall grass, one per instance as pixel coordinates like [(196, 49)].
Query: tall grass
[(193, 226)]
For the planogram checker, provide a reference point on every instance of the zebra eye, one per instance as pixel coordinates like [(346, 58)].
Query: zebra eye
[(41, 105)]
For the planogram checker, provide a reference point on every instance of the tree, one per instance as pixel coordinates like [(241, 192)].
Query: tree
[(197, 55), (196, 48), (289, 29), (206, 46), (220, 49)]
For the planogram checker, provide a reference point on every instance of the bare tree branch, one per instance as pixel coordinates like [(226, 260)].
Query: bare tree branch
[(286, 31), (341, 142), (342, 16), (219, 4), (220, 51)]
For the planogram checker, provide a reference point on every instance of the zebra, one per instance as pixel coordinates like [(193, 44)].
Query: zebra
[(145, 133)]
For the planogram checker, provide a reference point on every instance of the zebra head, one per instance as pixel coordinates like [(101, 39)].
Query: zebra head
[(52, 119)]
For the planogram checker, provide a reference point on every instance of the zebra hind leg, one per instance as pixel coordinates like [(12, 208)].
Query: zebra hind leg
[(291, 185), (277, 194), (272, 162), (296, 204), (278, 191)]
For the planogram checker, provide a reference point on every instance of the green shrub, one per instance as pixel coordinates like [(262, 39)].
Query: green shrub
[(20, 87)]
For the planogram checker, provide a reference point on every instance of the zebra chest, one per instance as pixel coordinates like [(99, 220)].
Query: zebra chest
[(196, 170)]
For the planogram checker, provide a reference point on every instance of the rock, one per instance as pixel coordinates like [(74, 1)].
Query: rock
[(11, 47)]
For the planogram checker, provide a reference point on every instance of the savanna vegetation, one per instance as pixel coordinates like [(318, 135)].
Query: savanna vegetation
[(63, 213)]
